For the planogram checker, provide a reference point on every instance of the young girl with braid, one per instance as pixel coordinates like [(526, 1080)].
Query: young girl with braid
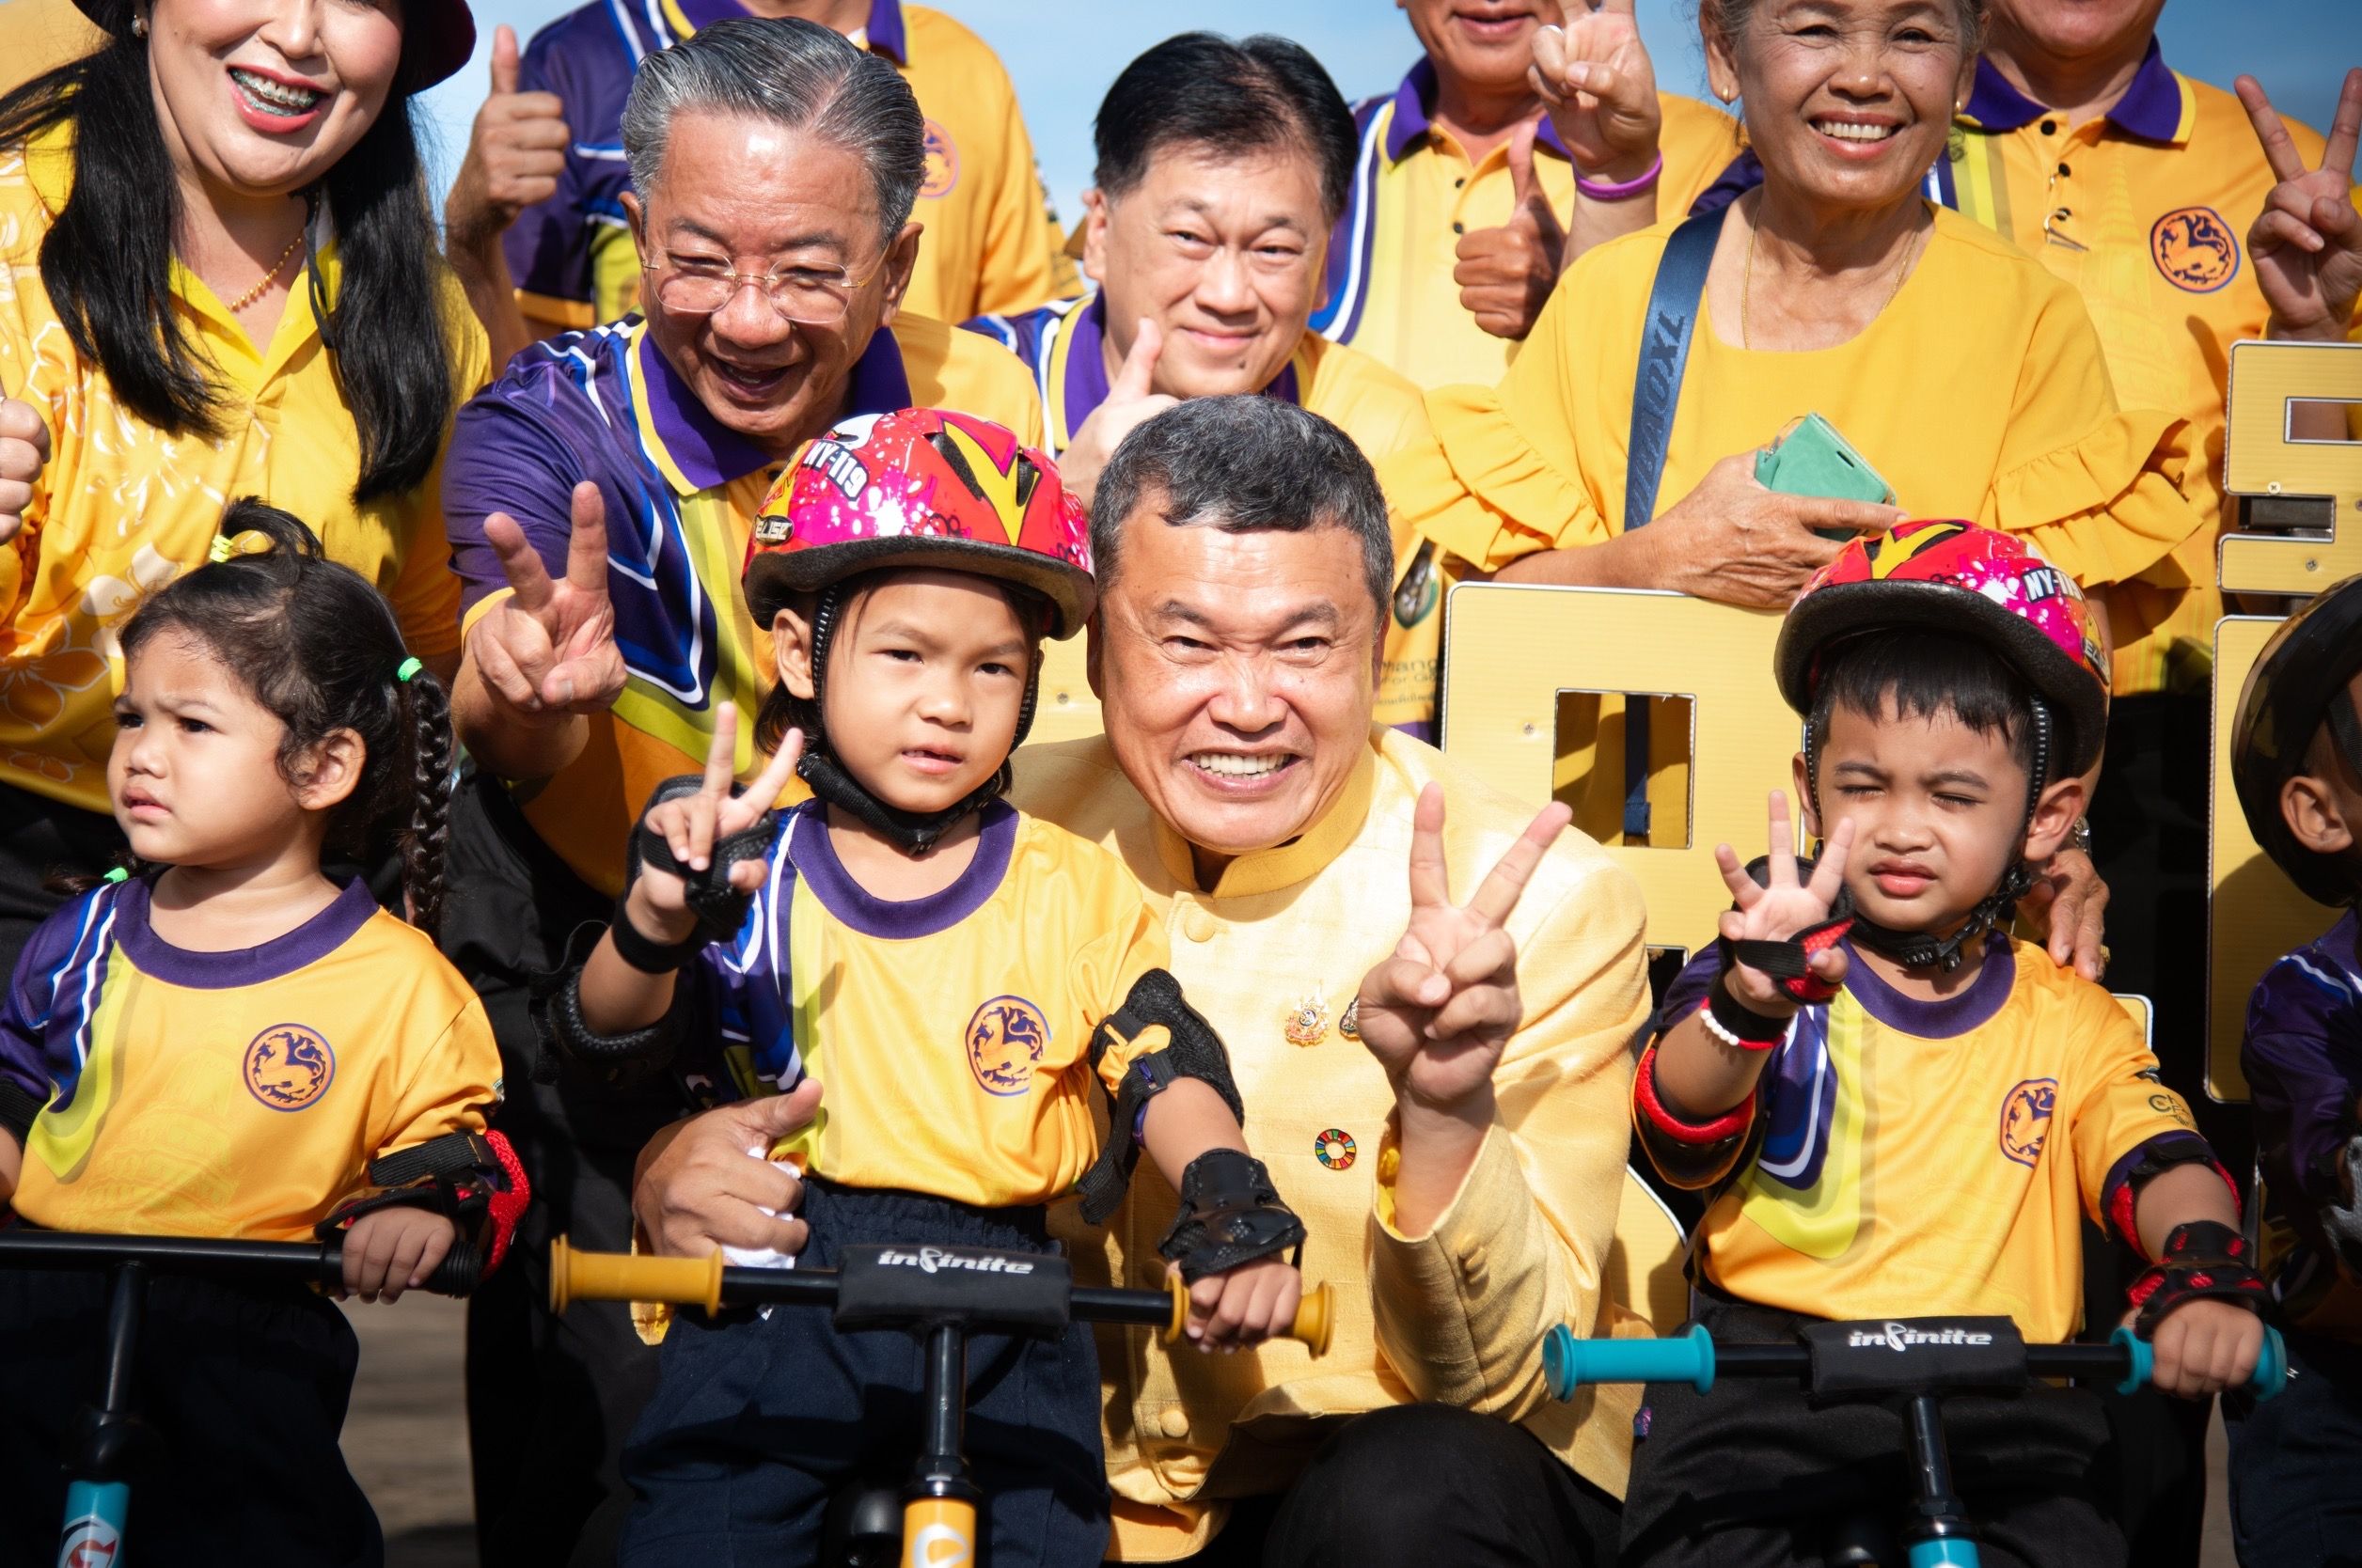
[(221, 1041)]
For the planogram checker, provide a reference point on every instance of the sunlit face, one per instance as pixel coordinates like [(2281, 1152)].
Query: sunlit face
[(743, 195), (1237, 675), (2079, 29), (1847, 102), (194, 777), (1938, 808), (263, 96), (1485, 44), (1224, 253), (926, 675)]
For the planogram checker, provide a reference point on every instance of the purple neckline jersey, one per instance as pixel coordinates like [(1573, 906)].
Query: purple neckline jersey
[(2303, 1060)]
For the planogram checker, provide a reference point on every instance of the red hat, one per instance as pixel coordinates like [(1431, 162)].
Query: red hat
[(438, 36), (921, 487)]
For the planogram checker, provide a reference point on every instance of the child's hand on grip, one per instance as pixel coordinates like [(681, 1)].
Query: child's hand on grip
[(1244, 1306), (1779, 912), (390, 1250), (2204, 1347)]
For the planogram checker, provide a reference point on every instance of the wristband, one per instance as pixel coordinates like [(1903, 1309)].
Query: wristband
[(645, 954), (1734, 1023), (2204, 1257), (1600, 190)]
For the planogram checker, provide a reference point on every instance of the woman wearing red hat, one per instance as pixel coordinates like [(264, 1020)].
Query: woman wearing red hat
[(218, 278)]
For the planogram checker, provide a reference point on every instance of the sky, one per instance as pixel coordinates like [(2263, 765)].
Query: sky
[(2298, 49)]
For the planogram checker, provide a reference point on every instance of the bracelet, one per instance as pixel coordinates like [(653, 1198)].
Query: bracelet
[(1600, 190), (1732, 1022)]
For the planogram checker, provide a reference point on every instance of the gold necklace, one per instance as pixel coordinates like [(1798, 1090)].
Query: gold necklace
[(293, 245), (1747, 283)]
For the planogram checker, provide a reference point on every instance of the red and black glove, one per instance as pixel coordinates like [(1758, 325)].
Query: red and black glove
[(2202, 1258)]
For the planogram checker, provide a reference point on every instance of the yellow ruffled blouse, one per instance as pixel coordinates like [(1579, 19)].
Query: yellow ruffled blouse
[(1980, 392)]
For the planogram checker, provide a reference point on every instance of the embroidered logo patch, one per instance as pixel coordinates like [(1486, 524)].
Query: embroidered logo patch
[(1335, 1149), (942, 163), (1006, 1038), (2025, 1119), (289, 1066), (2194, 248)]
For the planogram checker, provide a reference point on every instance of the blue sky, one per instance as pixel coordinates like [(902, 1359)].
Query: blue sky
[(2297, 48)]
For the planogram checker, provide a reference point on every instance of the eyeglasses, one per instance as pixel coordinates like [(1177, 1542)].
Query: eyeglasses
[(808, 296)]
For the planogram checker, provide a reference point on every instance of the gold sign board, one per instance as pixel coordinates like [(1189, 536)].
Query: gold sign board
[(2292, 448), (1068, 708), (1514, 654)]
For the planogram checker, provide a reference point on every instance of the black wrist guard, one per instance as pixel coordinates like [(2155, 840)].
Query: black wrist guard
[(2204, 1257), (1788, 961), (1741, 1021), (720, 909), (1230, 1215), (474, 1179)]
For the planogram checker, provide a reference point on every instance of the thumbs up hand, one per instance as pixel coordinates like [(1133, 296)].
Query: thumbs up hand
[(1506, 274), (1595, 77), (515, 153), (24, 452), (1130, 403)]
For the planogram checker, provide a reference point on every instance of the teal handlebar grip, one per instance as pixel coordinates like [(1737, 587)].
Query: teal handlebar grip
[(2269, 1378), (1569, 1363)]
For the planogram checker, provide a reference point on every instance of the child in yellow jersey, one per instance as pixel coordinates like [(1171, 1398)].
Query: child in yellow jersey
[(1902, 1111), (224, 1041), (952, 975)]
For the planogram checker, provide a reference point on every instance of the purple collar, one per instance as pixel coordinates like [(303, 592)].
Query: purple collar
[(1946, 1019), (1413, 119), (1086, 385), (709, 454), (307, 944), (2150, 109), (884, 28), (900, 919)]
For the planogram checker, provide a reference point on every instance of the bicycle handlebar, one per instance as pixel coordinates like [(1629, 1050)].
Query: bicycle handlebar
[(316, 1263), (708, 1282), (1569, 1363)]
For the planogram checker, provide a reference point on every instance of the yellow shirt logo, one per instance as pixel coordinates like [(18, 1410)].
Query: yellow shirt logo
[(2194, 248), (289, 1066), (1006, 1037)]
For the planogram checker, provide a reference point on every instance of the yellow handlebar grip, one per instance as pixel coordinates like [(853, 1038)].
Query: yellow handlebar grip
[(624, 1276), (1315, 1315)]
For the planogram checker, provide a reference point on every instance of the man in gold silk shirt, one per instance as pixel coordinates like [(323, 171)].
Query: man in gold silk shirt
[(1461, 1192)]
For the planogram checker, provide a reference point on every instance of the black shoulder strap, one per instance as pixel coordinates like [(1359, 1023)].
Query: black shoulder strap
[(1664, 356)]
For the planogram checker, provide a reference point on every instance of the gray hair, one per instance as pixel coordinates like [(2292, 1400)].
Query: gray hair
[(1244, 464), (796, 74)]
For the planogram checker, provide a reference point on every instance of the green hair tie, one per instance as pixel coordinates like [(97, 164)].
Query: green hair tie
[(117, 874), (407, 668)]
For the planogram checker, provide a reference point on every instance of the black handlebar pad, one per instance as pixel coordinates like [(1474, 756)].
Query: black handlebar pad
[(1015, 1292), (1924, 1356), (320, 1263)]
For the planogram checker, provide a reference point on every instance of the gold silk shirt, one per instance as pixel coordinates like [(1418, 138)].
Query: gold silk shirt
[(1271, 955)]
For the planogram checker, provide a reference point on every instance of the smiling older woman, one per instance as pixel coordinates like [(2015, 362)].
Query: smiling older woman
[(221, 280)]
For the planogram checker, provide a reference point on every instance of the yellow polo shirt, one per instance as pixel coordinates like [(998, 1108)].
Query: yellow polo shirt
[(2144, 211), (1456, 1314), (122, 508), (992, 242), (2014, 425), (1415, 193)]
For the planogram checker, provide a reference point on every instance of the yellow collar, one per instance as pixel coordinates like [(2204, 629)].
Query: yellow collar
[(1299, 859)]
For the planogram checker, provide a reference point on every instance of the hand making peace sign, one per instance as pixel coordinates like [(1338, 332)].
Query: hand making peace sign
[(2307, 240), (1596, 79), (1779, 912), (690, 825), (549, 647), (1438, 1012)]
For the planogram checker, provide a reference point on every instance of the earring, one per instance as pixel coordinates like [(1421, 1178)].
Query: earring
[(139, 26)]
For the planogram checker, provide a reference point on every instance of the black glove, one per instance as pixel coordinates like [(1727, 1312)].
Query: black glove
[(720, 909), (1230, 1215), (2204, 1257)]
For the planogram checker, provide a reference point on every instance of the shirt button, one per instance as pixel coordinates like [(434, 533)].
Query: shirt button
[(1460, 228), (1460, 183), (2065, 172), (2050, 128), (1174, 1422), (1198, 926)]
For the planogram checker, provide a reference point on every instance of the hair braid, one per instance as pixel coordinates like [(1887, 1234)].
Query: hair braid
[(426, 841)]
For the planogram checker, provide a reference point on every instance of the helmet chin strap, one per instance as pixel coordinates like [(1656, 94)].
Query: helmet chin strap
[(1920, 950), (912, 832)]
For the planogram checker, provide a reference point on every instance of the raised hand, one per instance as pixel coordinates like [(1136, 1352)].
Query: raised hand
[(1438, 1012), (515, 153), (1131, 402), (1506, 274), (2307, 240), (1779, 912), (1595, 77), (549, 648), (690, 825), (24, 452)]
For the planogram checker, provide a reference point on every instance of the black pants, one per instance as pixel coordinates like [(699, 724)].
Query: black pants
[(1751, 1476), (1424, 1486), (2149, 829), (40, 839), (245, 1392), (549, 1400), (2296, 1463), (762, 1417)]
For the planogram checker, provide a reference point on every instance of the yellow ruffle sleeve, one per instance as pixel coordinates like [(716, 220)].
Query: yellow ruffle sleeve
[(2106, 508)]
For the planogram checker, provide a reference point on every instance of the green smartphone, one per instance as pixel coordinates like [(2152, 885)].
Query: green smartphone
[(1812, 458)]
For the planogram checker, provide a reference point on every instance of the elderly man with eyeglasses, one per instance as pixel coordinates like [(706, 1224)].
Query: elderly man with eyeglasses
[(600, 497)]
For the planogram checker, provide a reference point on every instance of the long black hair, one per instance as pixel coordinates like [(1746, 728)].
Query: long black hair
[(107, 265), (319, 648)]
